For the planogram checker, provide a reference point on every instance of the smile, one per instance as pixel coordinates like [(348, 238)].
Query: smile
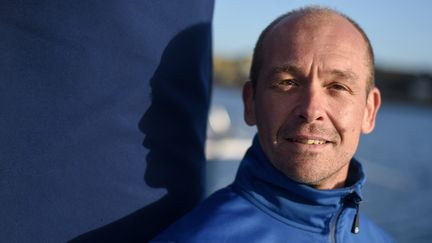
[(308, 141)]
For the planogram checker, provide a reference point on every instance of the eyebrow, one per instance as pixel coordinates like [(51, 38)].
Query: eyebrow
[(343, 74), (294, 70), (291, 69)]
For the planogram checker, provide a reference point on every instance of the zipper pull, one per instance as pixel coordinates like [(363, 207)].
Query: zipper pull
[(355, 229), (356, 224)]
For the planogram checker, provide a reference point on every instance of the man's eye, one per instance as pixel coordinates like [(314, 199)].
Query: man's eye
[(339, 87), (287, 82)]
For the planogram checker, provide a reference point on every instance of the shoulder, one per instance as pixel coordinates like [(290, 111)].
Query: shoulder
[(210, 220)]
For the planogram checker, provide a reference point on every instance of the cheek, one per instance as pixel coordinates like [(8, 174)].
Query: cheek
[(271, 114), (349, 119)]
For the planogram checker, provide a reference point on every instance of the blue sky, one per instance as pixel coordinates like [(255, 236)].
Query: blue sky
[(400, 31)]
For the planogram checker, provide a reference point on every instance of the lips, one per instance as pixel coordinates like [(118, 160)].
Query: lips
[(308, 140), (309, 135)]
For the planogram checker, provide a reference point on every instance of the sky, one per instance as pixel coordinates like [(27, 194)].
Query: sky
[(400, 31)]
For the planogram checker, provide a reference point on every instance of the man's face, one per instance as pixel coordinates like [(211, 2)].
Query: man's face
[(310, 103)]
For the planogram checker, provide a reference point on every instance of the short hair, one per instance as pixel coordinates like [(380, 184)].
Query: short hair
[(310, 10)]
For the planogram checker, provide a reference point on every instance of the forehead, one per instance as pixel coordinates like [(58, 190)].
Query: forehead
[(313, 25), (328, 38)]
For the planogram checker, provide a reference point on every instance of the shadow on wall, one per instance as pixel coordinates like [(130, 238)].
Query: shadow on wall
[(174, 127)]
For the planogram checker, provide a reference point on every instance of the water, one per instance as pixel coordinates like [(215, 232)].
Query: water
[(397, 157)]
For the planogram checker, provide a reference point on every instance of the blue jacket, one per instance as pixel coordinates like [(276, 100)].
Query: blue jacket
[(262, 205)]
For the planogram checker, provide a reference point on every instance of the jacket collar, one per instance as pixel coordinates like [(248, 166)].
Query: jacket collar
[(289, 201)]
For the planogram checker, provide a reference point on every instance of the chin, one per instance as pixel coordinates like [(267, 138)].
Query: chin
[(302, 171)]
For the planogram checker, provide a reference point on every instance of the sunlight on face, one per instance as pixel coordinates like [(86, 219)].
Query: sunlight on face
[(310, 102)]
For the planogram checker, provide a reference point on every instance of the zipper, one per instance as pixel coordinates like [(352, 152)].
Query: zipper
[(333, 224), (351, 199)]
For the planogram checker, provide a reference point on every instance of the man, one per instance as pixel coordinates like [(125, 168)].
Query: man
[(311, 95)]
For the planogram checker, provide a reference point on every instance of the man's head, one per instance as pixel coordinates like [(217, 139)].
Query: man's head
[(311, 94), (312, 13)]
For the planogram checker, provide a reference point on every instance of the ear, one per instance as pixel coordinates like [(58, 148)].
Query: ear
[(249, 103), (373, 103)]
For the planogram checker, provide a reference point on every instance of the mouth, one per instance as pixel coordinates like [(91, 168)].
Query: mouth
[(308, 141)]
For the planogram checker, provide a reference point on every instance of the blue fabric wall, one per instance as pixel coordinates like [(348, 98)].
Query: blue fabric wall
[(103, 111)]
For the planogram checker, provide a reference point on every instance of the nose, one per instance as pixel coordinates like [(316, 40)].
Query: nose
[(311, 105)]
